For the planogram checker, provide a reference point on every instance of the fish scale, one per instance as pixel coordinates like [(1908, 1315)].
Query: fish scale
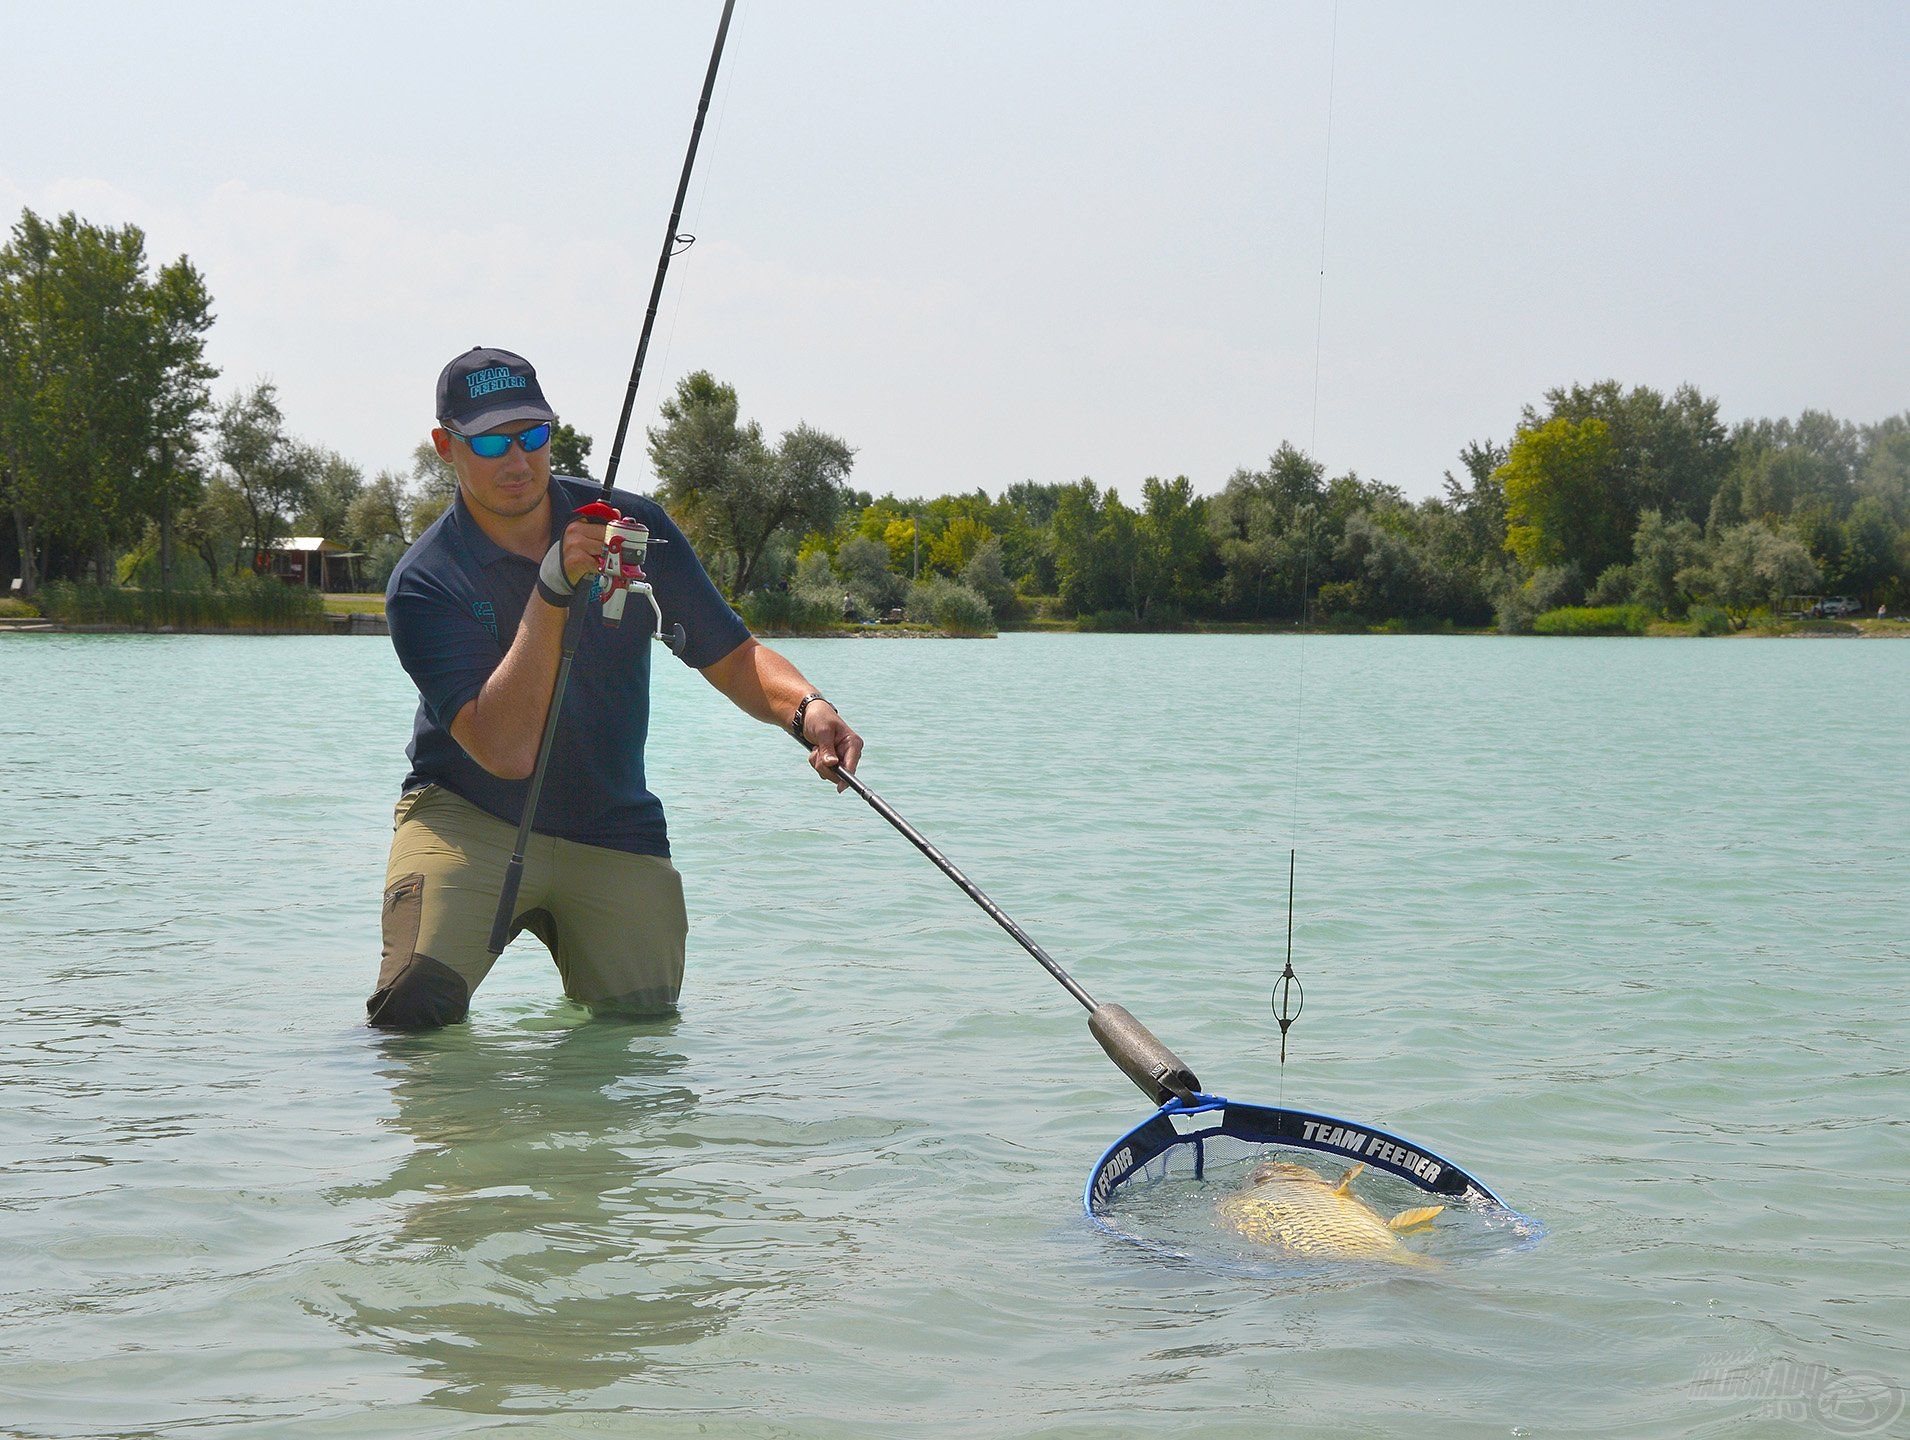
[(1296, 1210)]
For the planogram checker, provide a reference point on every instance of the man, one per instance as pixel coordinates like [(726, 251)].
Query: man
[(477, 608)]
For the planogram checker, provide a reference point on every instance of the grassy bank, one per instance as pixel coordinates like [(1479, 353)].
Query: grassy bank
[(248, 603)]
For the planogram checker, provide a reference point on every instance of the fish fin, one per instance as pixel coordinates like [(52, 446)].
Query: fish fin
[(1346, 1180), (1407, 1219)]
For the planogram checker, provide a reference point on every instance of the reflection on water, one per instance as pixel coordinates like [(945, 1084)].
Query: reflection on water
[(549, 1219)]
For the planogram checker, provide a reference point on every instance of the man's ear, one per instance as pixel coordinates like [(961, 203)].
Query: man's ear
[(441, 438)]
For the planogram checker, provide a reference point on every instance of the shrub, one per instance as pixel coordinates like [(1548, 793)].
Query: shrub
[(1593, 620), (13, 609), (985, 575), (1709, 620), (1339, 598), (1516, 606), (951, 606), (787, 612), (1613, 587)]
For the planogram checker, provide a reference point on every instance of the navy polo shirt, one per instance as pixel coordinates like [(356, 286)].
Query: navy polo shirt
[(454, 602)]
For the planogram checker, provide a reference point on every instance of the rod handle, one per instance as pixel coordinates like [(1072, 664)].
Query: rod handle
[(506, 906)]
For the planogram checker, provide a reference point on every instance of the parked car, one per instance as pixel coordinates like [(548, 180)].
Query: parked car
[(1834, 608)]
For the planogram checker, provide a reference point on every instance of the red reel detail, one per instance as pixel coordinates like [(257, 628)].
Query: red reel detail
[(597, 510)]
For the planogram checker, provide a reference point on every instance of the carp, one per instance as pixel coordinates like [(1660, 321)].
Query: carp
[(1296, 1210)]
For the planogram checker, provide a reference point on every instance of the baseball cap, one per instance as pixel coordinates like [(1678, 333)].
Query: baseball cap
[(485, 388)]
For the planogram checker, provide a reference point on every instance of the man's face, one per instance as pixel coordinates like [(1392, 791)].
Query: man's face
[(512, 485)]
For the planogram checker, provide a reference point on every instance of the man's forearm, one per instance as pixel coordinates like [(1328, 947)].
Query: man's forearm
[(501, 728), (759, 682)]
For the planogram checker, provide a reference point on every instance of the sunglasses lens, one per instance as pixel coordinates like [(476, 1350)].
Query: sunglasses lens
[(489, 446), (535, 438)]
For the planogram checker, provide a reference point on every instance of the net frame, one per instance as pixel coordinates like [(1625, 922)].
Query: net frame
[(1182, 1123)]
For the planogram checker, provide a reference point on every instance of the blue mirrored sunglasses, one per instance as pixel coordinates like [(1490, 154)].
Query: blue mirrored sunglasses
[(493, 446)]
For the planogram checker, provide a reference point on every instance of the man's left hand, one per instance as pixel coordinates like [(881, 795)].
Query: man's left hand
[(832, 743)]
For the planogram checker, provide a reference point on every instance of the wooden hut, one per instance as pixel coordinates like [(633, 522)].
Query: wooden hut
[(315, 561)]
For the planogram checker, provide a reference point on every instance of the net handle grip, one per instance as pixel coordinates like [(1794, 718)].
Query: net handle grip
[(1159, 1072)]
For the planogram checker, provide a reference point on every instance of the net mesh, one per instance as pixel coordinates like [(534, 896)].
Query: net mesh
[(1174, 1183)]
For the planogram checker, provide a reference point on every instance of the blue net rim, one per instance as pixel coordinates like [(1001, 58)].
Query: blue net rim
[(1182, 1123)]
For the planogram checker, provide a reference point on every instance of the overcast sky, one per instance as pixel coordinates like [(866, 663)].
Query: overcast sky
[(989, 242)]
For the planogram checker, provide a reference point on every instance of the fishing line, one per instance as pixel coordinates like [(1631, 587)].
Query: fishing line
[(1326, 189), (1282, 1000), (735, 48)]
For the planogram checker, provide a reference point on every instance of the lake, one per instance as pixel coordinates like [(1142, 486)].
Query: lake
[(1619, 926)]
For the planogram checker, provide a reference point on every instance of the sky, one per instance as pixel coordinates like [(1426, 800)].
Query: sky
[(988, 242)]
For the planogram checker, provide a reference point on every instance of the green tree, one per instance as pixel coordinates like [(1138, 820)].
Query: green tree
[(986, 576), (1091, 531), (903, 537), (1269, 537), (1872, 551), (376, 525), (216, 525), (270, 472), (1667, 454), (434, 485), (961, 539), (1561, 505), (1745, 566), (1662, 550), (1173, 545), (102, 365), (336, 484), (570, 452), (1388, 577), (1885, 474), (863, 565), (377, 512), (728, 489)]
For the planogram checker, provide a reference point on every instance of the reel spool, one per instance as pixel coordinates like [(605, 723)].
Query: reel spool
[(627, 541)]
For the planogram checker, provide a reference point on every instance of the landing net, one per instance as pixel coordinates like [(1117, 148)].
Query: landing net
[(1160, 1185)]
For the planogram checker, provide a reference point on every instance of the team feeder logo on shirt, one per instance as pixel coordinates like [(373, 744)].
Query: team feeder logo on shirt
[(487, 616), (498, 377)]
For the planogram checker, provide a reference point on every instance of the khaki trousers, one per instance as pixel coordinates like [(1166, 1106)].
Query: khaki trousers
[(614, 922)]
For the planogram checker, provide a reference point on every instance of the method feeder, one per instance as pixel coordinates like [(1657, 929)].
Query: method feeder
[(627, 540)]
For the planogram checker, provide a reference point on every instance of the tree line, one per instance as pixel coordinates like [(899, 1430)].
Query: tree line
[(117, 463), (1603, 496)]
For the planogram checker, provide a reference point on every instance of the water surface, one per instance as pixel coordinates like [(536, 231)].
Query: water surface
[(1619, 926)]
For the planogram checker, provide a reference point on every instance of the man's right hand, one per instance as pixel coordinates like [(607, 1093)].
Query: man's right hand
[(583, 548), (570, 560)]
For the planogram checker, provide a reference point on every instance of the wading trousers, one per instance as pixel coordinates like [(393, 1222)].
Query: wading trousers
[(614, 922)]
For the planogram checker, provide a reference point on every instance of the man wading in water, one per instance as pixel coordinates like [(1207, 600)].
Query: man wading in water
[(477, 610)]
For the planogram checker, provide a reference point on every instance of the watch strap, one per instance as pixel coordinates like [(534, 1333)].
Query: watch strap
[(802, 707)]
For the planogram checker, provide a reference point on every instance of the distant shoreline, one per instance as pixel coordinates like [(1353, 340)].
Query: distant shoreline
[(363, 623)]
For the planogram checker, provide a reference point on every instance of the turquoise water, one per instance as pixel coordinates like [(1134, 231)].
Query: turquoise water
[(1619, 926)]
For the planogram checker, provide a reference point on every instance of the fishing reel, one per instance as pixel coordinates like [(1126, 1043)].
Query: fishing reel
[(620, 570)]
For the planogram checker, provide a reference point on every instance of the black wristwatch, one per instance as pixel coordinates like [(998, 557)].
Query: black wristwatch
[(802, 705)]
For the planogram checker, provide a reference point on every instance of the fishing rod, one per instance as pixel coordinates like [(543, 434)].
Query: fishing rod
[(626, 540), (1161, 1075)]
